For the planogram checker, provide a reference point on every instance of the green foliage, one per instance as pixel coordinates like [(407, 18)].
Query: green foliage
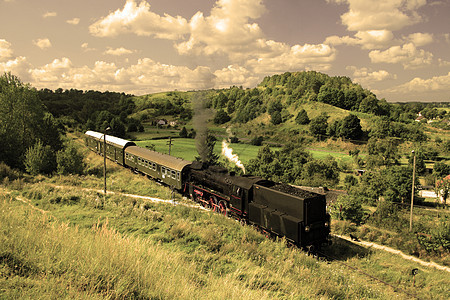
[(441, 169), (70, 160), (183, 132), (276, 118), (318, 125), (257, 141), (302, 117), (221, 117), (438, 239), (383, 152), (23, 121), (40, 159), (351, 128), (349, 208)]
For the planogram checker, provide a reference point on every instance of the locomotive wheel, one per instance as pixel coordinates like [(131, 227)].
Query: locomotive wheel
[(212, 203), (223, 208)]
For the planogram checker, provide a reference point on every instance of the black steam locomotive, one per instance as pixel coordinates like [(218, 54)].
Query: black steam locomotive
[(277, 209)]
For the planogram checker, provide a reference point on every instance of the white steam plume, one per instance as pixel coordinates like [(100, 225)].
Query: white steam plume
[(228, 153)]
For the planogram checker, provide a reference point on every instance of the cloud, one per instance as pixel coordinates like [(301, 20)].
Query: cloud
[(420, 39), (374, 22), (54, 72), (138, 19), (318, 57), (371, 39), (364, 15), (5, 50), (18, 66), (118, 51), (49, 14), (235, 75), (227, 30), (73, 21), (365, 76), (42, 43), (85, 47), (146, 76), (419, 85), (408, 55)]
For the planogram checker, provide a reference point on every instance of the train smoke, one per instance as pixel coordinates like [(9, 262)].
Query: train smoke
[(199, 120), (227, 151)]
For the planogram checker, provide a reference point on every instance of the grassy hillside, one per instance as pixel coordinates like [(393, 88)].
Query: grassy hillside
[(61, 238)]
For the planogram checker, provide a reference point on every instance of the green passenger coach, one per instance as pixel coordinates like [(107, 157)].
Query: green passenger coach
[(114, 146), (165, 168)]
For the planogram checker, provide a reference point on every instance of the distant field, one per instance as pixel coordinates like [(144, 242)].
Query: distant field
[(186, 149)]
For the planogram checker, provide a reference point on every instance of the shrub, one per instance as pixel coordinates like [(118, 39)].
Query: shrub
[(69, 160), (349, 208), (39, 159), (7, 172)]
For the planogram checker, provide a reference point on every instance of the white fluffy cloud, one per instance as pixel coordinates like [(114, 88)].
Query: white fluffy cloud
[(419, 85), (365, 76), (49, 14), (235, 75), (18, 66), (374, 22), (364, 15), (138, 19), (118, 51), (74, 21), (318, 57), (42, 43), (371, 39), (146, 76), (5, 50), (420, 39), (408, 55)]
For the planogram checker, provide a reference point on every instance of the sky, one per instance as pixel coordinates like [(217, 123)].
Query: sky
[(398, 49)]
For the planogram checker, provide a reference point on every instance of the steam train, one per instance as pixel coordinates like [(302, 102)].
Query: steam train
[(275, 208)]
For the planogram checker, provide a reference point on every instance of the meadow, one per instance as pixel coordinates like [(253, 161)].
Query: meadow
[(61, 237)]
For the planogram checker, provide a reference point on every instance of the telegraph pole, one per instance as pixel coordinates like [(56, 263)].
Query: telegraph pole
[(104, 156), (412, 192), (170, 144)]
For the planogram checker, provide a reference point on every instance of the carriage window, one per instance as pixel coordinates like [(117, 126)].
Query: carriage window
[(154, 167), (174, 175), (163, 170), (178, 176)]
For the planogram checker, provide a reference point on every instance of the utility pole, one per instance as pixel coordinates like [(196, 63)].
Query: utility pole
[(104, 156), (412, 192), (170, 144)]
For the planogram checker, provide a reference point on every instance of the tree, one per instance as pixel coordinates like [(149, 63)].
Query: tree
[(351, 128), (221, 117), (348, 207), (318, 125), (22, 121), (384, 149), (443, 188), (40, 159), (302, 117), (69, 160), (276, 118), (183, 132)]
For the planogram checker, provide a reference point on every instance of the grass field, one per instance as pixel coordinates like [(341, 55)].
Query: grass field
[(61, 238)]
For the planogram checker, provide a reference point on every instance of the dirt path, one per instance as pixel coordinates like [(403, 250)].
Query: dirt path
[(395, 251), (151, 199)]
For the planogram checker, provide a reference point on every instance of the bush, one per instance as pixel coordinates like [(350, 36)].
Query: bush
[(348, 208), (40, 159), (70, 161), (257, 141), (7, 172)]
